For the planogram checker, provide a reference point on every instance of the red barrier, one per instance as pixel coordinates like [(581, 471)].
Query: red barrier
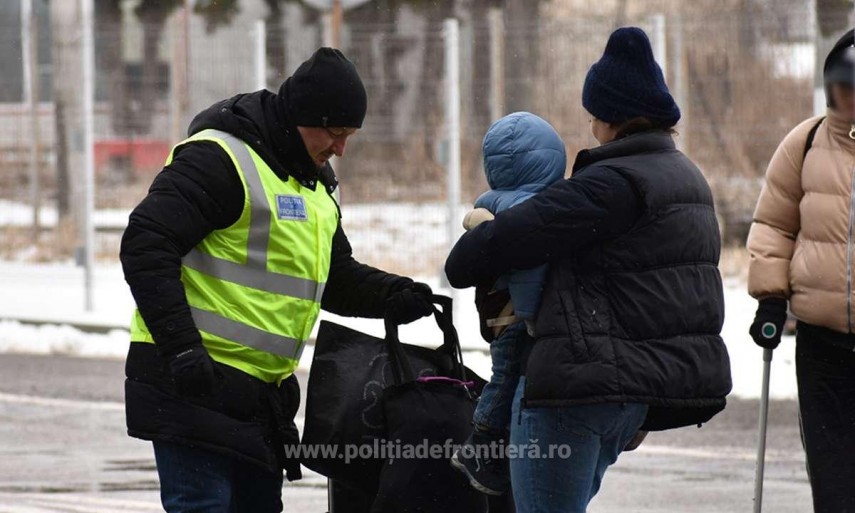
[(141, 157)]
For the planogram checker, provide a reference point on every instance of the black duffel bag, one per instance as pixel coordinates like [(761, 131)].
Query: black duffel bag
[(426, 417), (349, 372)]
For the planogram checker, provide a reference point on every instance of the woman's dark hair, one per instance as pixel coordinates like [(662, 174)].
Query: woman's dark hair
[(638, 125)]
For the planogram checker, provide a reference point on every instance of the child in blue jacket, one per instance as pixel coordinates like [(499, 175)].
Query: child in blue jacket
[(523, 155)]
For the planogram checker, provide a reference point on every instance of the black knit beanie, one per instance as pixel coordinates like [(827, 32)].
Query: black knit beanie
[(325, 91), (627, 82), (840, 63)]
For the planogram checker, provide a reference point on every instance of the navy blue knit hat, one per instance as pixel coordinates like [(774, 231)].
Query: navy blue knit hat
[(627, 83)]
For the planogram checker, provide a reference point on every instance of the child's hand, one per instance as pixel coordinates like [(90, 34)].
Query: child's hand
[(475, 217)]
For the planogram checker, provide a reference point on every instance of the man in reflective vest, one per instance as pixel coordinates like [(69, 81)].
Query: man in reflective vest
[(230, 257)]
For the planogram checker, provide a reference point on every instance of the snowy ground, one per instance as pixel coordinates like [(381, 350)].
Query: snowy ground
[(13, 213), (55, 292)]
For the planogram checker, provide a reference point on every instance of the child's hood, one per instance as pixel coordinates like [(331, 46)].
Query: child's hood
[(523, 151)]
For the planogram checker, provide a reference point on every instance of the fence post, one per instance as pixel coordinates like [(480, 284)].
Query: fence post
[(681, 90), (452, 118), (329, 38), (497, 63), (260, 55), (660, 43), (30, 46), (178, 78), (88, 93)]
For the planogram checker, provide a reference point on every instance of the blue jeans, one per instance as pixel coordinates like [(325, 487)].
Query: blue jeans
[(595, 435), (195, 480), (494, 407)]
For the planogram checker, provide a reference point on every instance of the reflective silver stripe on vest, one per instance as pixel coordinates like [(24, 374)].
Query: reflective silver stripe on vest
[(259, 218), (254, 274), (280, 284), (247, 335), (320, 292)]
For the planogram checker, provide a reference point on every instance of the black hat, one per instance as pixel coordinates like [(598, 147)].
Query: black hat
[(840, 64), (627, 82), (326, 91)]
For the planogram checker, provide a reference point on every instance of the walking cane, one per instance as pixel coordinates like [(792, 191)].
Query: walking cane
[(761, 444)]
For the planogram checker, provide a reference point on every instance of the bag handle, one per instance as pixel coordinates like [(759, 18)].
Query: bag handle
[(445, 319), (401, 368)]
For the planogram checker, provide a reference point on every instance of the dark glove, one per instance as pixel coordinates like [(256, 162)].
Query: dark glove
[(193, 371), (410, 304), (768, 325)]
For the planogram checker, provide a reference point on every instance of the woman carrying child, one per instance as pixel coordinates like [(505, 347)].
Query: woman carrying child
[(626, 337)]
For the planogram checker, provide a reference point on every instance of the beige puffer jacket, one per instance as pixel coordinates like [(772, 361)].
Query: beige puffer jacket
[(802, 240)]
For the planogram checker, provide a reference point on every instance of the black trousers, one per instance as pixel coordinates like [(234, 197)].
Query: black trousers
[(825, 368)]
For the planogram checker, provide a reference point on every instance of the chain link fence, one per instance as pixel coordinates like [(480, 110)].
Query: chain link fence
[(742, 71)]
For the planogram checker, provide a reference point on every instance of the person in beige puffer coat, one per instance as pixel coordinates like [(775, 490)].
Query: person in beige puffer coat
[(802, 250)]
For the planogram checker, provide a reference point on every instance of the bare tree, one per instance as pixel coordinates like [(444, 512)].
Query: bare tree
[(833, 16), (108, 61)]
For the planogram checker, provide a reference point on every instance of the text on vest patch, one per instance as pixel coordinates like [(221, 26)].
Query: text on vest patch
[(292, 208)]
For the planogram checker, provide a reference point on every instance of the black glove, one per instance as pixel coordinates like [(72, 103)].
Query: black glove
[(410, 304), (193, 371), (768, 325)]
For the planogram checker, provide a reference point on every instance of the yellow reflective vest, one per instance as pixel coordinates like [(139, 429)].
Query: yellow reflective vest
[(255, 287)]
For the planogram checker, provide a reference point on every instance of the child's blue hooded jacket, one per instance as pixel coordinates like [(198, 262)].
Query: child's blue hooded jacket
[(523, 155)]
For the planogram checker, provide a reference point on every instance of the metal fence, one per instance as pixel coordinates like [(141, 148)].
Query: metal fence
[(742, 71)]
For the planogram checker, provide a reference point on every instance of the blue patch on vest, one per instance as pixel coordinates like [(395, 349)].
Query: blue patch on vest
[(292, 208)]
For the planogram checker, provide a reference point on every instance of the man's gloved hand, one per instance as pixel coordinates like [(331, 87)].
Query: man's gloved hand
[(193, 371), (768, 325), (410, 304)]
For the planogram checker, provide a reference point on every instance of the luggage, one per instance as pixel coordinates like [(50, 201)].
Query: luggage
[(429, 415), (349, 373)]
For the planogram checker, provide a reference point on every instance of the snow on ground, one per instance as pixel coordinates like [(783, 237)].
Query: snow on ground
[(55, 292), (13, 213)]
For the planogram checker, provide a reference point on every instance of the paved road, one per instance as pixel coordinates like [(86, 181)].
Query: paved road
[(63, 448)]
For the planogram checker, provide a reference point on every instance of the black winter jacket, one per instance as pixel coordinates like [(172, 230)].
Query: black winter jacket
[(633, 304), (198, 192)]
